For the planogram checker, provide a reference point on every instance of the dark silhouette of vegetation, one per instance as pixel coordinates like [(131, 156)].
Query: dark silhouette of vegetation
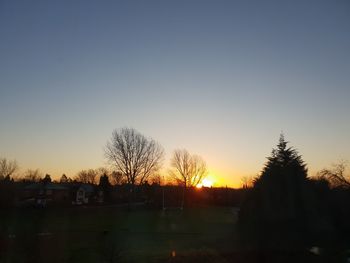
[(288, 212), (93, 176), (134, 156), (281, 189), (187, 169), (64, 179), (247, 182), (87, 176), (7, 168), (116, 178), (336, 175), (47, 179), (32, 175), (105, 186), (7, 192)]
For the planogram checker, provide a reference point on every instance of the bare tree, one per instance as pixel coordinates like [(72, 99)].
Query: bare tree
[(102, 171), (7, 168), (87, 176), (336, 175), (133, 155), (116, 178), (32, 175), (247, 182), (157, 179), (187, 169)]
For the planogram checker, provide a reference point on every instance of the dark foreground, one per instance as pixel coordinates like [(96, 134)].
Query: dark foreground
[(113, 234)]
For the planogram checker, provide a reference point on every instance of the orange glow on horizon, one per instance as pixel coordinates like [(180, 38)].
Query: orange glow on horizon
[(221, 178)]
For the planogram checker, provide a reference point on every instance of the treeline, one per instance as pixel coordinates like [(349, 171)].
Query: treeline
[(89, 176), (108, 186), (46, 193)]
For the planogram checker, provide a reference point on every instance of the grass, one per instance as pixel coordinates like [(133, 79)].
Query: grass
[(109, 234)]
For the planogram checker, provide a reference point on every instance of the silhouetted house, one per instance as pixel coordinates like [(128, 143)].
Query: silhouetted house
[(83, 194), (42, 193)]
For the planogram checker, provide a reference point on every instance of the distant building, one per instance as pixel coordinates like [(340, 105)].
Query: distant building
[(42, 193), (83, 194)]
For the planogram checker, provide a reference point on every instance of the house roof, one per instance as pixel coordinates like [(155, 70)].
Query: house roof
[(46, 186), (87, 188)]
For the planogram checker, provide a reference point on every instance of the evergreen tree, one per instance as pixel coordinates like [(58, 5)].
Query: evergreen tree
[(105, 186), (284, 161), (104, 182), (64, 179), (274, 213), (282, 183), (47, 179)]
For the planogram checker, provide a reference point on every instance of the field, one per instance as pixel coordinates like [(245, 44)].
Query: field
[(113, 234)]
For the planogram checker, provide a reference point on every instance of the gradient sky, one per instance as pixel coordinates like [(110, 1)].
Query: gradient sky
[(219, 78)]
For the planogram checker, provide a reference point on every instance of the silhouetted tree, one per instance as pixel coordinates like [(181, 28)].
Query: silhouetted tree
[(157, 179), (87, 176), (105, 186), (116, 178), (247, 182), (336, 175), (63, 179), (7, 168), (32, 175), (275, 210), (100, 172), (47, 179), (133, 155), (104, 181), (188, 170), (281, 180), (333, 191)]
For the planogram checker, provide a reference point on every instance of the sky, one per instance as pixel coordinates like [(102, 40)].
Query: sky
[(221, 79)]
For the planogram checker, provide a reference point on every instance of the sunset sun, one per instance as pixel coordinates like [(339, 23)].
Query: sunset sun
[(206, 182)]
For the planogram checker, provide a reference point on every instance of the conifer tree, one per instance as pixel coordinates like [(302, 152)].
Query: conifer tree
[(275, 211), (282, 183), (284, 164)]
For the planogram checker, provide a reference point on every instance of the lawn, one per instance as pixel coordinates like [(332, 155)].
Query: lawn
[(111, 234)]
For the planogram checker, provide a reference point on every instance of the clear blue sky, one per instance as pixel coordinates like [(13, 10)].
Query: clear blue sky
[(220, 78)]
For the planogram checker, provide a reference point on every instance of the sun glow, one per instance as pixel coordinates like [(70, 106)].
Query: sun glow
[(206, 182)]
